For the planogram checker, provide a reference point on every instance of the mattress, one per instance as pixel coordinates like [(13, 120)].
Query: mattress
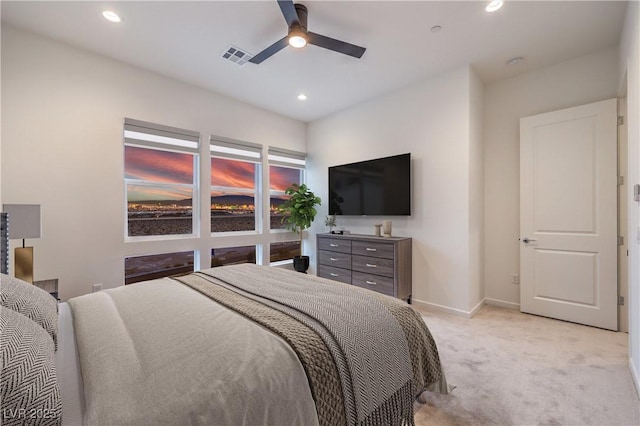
[(68, 370)]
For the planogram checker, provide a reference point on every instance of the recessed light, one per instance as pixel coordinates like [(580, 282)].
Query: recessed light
[(494, 5), (111, 16), (302, 97), (436, 29), (515, 61)]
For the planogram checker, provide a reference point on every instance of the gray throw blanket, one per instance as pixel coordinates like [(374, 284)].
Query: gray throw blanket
[(368, 345)]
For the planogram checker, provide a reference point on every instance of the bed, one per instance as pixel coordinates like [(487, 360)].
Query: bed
[(234, 345)]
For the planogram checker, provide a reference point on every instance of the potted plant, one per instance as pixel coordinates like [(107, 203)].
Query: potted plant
[(300, 212)]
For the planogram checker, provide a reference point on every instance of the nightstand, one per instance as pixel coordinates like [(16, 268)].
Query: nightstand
[(50, 286)]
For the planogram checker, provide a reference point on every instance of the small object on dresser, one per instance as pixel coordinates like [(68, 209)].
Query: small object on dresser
[(330, 221), (378, 226), (386, 228)]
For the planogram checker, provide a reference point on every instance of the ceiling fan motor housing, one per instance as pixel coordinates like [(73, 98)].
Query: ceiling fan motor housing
[(302, 12)]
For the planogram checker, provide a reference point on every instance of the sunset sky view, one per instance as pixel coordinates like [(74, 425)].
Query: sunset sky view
[(172, 167)]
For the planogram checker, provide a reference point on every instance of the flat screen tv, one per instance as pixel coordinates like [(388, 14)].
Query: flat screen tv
[(380, 187)]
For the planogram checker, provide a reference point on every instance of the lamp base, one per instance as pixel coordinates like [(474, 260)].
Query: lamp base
[(24, 264)]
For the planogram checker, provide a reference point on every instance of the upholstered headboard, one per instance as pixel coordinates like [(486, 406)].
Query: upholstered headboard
[(4, 243)]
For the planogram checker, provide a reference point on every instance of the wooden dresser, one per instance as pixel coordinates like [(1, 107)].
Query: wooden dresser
[(375, 263)]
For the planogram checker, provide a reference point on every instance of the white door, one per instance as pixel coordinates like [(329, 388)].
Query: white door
[(623, 259), (568, 215)]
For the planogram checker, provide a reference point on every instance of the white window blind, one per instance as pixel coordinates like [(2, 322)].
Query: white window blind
[(151, 135), (287, 158), (235, 150)]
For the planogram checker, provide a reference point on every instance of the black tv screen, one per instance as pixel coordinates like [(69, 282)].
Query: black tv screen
[(380, 187)]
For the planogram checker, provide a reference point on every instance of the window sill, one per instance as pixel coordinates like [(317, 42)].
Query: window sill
[(282, 262), (172, 237)]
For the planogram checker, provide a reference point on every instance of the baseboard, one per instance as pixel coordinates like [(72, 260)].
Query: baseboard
[(634, 376), (447, 309), (502, 303), (466, 314), (476, 308)]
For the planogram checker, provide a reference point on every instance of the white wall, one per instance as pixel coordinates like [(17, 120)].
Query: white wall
[(476, 192), (62, 117), (630, 67), (431, 120), (574, 82)]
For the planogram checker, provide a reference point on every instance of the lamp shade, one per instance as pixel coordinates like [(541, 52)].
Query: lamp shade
[(24, 220)]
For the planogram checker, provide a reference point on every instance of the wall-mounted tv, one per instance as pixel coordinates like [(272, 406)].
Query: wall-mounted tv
[(380, 187)]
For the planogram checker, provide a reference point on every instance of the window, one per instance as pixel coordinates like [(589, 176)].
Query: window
[(233, 255), (164, 199), (284, 251), (160, 165), (235, 178), (285, 168), (142, 268)]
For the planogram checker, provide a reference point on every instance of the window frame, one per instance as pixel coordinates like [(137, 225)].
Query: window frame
[(280, 157), (157, 137), (235, 150)]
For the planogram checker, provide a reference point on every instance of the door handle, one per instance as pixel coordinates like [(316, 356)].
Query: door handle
[(527, 240)]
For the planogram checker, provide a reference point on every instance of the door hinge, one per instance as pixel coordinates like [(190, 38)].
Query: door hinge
[(620, 240), (621, 300), (620, 180), (620, 120)]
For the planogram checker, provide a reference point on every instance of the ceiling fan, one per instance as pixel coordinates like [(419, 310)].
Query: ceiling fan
[(298, 36)]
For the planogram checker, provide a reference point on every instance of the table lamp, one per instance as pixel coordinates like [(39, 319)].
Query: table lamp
[(24, 223)]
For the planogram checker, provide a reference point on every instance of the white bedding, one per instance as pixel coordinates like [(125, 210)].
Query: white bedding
[(160, 352), (68, 370)]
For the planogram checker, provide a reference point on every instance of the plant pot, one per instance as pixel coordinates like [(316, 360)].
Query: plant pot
[(301, 263)]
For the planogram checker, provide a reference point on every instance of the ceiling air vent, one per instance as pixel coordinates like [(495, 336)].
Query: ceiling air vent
[(236, 55)]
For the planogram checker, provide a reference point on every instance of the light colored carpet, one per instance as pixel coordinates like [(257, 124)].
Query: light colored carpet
[(511, 368)]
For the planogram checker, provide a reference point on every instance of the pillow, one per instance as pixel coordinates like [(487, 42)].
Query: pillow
[(32, 302), (28, 387)]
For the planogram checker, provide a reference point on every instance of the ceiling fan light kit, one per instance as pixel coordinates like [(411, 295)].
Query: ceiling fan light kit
[(298, 36)]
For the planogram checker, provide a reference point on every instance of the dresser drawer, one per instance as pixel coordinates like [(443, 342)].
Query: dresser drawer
[(335, 259), (377, 283), (334, 244), (373, 265), (373, 249), (336, 274)]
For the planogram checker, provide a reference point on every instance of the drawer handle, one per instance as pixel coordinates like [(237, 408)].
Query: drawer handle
[(333, 274), (334, 245), (371, 282), (372, 266), (371, 249), (333, 259)]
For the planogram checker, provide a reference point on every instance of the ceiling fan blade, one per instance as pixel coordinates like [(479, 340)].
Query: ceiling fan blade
[(271, 50), (289, 11), (335, 45)]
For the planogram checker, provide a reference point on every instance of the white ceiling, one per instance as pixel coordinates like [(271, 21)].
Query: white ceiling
[(184, 40)]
